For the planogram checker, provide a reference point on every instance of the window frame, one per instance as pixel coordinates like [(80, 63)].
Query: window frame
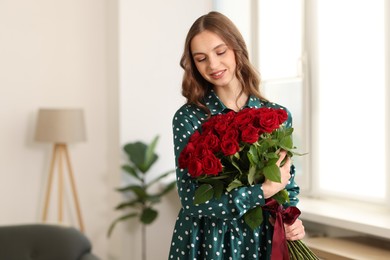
[(310, 86), (311, 76)]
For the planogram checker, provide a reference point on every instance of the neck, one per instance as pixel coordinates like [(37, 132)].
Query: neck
[(231, 97)]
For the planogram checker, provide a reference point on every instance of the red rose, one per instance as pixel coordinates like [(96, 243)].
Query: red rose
[(228, 117), (212, 141), (201, 150), (249, 134), (221, 126), (231, 133), (195, 137), (211, 165), (244, 117), (282, 115), (268, 120), (229, 146), (195, 167), (185, 155)]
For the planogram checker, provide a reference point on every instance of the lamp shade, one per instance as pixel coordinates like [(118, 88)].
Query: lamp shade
[(60, 125)]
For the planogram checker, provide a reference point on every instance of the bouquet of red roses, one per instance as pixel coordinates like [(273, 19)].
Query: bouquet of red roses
[(237, 149), (241, 149)]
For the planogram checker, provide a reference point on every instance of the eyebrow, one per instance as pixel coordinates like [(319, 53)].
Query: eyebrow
[(216, 47)]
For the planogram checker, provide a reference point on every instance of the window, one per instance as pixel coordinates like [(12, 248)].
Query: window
[(326, 61), (273, 33), (349, 94)]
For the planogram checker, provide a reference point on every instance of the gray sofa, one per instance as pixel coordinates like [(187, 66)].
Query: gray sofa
[(43, 242)]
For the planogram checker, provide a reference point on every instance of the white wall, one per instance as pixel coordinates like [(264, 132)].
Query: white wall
[(55, 54), (65, 54), (152, 35)]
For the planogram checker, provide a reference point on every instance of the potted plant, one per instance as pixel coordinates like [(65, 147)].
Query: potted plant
[(141, 157)]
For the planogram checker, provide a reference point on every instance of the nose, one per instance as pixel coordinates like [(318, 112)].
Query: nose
[(213, 62)]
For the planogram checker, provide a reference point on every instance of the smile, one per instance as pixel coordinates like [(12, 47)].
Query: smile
[(218, 74)]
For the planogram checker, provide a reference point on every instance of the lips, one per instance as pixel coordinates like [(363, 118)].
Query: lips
[(217, 74)]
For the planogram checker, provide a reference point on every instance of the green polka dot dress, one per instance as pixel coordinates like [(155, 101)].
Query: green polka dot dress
[(216, 230)]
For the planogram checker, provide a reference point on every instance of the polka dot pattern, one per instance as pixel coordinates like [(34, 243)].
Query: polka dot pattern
[(216, 229)]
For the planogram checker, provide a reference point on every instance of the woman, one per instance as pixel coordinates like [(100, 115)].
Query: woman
[(219, 78)]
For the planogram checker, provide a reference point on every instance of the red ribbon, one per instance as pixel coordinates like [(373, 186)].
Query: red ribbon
[(281, 215)]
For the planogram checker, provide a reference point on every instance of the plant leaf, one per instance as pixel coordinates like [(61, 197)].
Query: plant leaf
[(150, 155), (272, 156), (136, 153), (234, 163), (254, 217), (286, 142), (153, 199), (160, 177), (218, 188), (137, 189), (204, 193), (126, 204), (148, 215), (272, 173), (113, 224), (234, 184), (281, 197), (131, 171), (251, 175), (253, 155)]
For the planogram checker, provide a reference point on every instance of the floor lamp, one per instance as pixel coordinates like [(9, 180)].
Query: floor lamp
[(61, 126)]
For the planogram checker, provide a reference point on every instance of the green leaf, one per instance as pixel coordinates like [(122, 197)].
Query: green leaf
[(272, 156), (286, 142), (116, 221), (281, 197), (234, 184), (150, 155), (160, 177), (126, 204), (148, 215), (252, 175), (204, 193), (289, 131), (153, 199), (234, 163), (141, 155), (131, 171), (254, 217), (136, 153), (218, 188), (272, 173), (138, 190), (253, 155)]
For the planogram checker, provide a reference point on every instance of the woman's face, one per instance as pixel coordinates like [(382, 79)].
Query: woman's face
[(214, 60)]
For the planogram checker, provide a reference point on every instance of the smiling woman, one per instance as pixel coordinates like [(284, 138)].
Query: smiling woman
[(219, 80), (209, 51)]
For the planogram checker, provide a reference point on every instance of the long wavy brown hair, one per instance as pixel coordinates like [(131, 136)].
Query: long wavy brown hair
[(194, 86)]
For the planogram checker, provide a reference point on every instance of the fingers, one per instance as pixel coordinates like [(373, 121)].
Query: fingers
[(296, 231), (285, 172), (282, 154)]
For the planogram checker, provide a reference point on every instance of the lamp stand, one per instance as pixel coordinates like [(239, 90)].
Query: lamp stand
[(60, 151)]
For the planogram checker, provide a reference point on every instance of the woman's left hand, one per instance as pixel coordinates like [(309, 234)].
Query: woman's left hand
[(295, 231)]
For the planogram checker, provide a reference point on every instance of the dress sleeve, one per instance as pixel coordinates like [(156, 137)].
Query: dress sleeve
[(231, 205)]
